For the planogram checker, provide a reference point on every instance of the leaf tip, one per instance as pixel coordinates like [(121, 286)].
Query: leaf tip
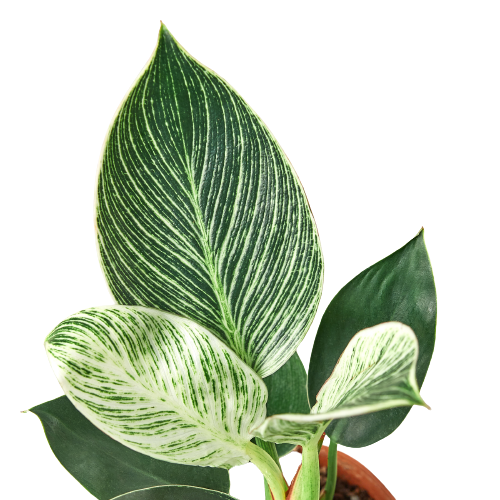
[(165, 33), (420, 232), (420, 402)]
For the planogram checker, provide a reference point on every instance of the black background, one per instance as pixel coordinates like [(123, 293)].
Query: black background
[(347, 115)]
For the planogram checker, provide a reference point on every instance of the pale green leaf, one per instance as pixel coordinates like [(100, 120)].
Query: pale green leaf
[(159, 384), (375, 372), (295, 428), (200, 213)]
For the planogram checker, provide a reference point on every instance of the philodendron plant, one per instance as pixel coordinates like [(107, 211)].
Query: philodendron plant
[(212, 254)]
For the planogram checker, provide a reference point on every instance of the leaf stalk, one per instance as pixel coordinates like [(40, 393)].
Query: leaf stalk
[(270, 448), (306, 484), (331, 478), (269, 469)]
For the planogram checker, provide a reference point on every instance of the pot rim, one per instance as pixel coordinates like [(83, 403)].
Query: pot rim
[(357, 474)]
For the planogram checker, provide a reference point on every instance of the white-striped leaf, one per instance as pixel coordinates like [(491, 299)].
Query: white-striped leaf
[(375, 372), (200, 213), (159, 384)]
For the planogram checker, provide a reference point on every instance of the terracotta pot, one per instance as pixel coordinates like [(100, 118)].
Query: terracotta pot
[(353, 472)]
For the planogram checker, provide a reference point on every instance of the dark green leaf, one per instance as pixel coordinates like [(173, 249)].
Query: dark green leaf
[(398, 288), (175, 493), (105, 467), (287, 390)]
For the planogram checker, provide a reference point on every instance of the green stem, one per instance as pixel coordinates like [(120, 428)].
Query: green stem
[(320, 442), (270, 448), (269, 469), (331, 478), (267, 491), (307, 483)]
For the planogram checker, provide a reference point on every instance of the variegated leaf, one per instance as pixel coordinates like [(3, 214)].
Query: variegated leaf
[(397, 288), (176, 492), (293, 428), (159, 384), (375, 372), (200, 213)]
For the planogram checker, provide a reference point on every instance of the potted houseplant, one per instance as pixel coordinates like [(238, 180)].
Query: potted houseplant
[(210, 249)]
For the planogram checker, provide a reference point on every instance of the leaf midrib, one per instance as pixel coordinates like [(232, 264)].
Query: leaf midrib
[(228, 324)]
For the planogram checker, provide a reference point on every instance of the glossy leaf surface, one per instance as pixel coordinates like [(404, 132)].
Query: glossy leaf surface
[(175, 493), (105, 467), (375, 372), (200, 213), (287, 393), (159, 384), (398, 288)]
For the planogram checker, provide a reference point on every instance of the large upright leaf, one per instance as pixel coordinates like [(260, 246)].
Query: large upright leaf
[(398, 288), (105, 467), (375, 372), (200, 213), (159, 384)]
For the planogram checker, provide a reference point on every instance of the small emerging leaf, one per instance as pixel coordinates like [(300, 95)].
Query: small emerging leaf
[(375, 372), (159, 384)]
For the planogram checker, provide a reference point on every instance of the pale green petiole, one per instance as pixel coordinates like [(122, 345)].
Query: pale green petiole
[(307, 485), (270, 448), (269, 469)]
